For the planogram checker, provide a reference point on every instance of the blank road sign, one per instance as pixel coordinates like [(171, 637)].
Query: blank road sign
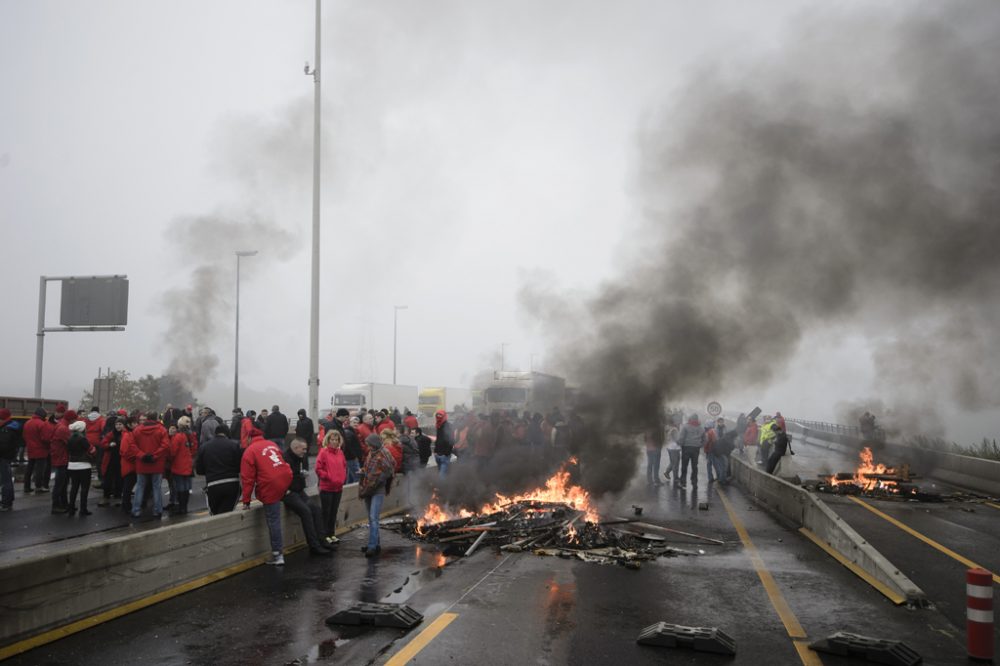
[(94, 302)]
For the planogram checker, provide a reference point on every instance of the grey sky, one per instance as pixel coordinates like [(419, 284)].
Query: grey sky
[(470, 146)]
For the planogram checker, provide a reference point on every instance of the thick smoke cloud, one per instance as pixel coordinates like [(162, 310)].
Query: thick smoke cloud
[(851, 178), (269, 161)]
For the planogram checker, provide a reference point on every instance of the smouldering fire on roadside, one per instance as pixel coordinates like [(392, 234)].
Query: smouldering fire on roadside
[(557, 489), (868, 475)]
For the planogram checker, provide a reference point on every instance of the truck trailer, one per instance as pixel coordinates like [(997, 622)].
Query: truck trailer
[(362, 396), (524, 391)]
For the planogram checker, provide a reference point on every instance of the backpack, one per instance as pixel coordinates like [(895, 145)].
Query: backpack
[(8, 442)]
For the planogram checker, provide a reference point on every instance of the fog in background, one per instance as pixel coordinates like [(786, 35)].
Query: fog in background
[(599, 158)]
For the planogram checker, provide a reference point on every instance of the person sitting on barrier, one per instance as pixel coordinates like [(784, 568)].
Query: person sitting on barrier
[(265, 473), (781, 447), (219, 462), (297, 501), (331, 471)]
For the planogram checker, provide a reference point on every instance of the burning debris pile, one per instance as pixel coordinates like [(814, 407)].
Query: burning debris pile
[(871, 478), (557, 519)]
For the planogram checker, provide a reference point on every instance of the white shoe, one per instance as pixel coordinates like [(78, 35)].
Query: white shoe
[(276, 558)]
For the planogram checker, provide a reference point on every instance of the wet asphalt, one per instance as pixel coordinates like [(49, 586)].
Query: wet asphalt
[(524, 608)]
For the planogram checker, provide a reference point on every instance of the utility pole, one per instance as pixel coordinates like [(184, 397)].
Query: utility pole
[(314, 305), (236, 378), (395, 317)]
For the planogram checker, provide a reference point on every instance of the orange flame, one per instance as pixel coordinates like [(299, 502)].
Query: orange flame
[(557, 489), (863, 475)]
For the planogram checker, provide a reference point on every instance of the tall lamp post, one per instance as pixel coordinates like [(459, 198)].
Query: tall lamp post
[(236, 379), (503, 347), (395, 337), (314, 299)]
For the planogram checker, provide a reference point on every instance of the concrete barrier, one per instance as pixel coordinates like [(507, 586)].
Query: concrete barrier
[(79, 587), (804, 509), (977, 474)]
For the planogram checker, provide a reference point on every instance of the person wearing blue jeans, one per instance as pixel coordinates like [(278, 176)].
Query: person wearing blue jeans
[(272, 514), (353, 471), (153, 481), (442, 464), (374, 506)]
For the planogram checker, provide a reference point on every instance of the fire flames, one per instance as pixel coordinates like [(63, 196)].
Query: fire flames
[(557, 489), (866, 476)]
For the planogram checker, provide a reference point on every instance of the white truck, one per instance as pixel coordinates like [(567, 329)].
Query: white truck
[(372, 395), (524, 391)]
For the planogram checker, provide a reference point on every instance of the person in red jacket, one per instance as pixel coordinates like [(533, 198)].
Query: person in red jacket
[(246, 427), (331, 471), (392, 445), (36, 441), (111, 463), (384, 423), (410, 421), (60, 462), (127, 453), (183, 449), (151, 449), (264, 473), (95, 429)]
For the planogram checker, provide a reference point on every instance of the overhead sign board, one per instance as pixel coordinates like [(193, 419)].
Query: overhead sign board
[(94, 301)]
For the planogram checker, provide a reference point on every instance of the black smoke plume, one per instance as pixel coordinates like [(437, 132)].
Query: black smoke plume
[(852, 179)]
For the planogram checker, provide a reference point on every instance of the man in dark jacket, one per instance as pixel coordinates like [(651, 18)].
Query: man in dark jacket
[(424, 444), (276, 426), (781, 445), (236, 424), (296, 500), (305, 431), (218, 461), (352, 445), (444, 443)]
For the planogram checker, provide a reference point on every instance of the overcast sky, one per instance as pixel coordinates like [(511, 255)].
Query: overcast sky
[(469, 146)]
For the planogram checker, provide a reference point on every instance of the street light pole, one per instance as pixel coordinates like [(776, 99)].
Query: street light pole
[(395, 319), (314, 305), (236, 379), (503, 346)]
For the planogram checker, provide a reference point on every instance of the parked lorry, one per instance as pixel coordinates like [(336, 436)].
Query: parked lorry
[(524, 391), (432, 399), (372, 395), (23, 408)]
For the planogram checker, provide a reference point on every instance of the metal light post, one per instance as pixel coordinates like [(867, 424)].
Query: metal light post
[(503, 346), (395, 319), (314, 305), (236, 379)]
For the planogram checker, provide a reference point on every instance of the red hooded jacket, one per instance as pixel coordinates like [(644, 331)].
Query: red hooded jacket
[(57, 448), (410, 421), (94, 430), (385, 425), (150, 438), (127, 453), (183, 449), (246, 426), (264, 468), (331, 469), (36, 438)]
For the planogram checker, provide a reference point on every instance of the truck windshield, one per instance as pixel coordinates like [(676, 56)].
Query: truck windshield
[(506, 394), (348, 399), (429, 400)]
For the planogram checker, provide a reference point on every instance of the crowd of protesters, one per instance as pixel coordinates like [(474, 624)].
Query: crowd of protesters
[(686, 441)]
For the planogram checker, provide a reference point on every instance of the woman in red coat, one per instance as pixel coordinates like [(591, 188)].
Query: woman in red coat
[(331, 471), (111, 463), (183, 449)]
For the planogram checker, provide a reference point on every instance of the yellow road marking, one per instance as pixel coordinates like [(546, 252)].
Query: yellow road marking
[(421, 640), (893, 596), (38, 640), (926, 539), (995, 506), (792, 626), (125, 609)]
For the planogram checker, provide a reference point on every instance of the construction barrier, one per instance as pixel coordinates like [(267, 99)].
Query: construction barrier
[(76, 587), (805, 510), (979, 613)]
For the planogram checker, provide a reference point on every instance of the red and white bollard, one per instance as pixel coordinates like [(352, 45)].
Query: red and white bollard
[(979, 613)]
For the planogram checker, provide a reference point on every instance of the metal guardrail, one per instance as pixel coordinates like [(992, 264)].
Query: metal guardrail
[(840, 429)]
